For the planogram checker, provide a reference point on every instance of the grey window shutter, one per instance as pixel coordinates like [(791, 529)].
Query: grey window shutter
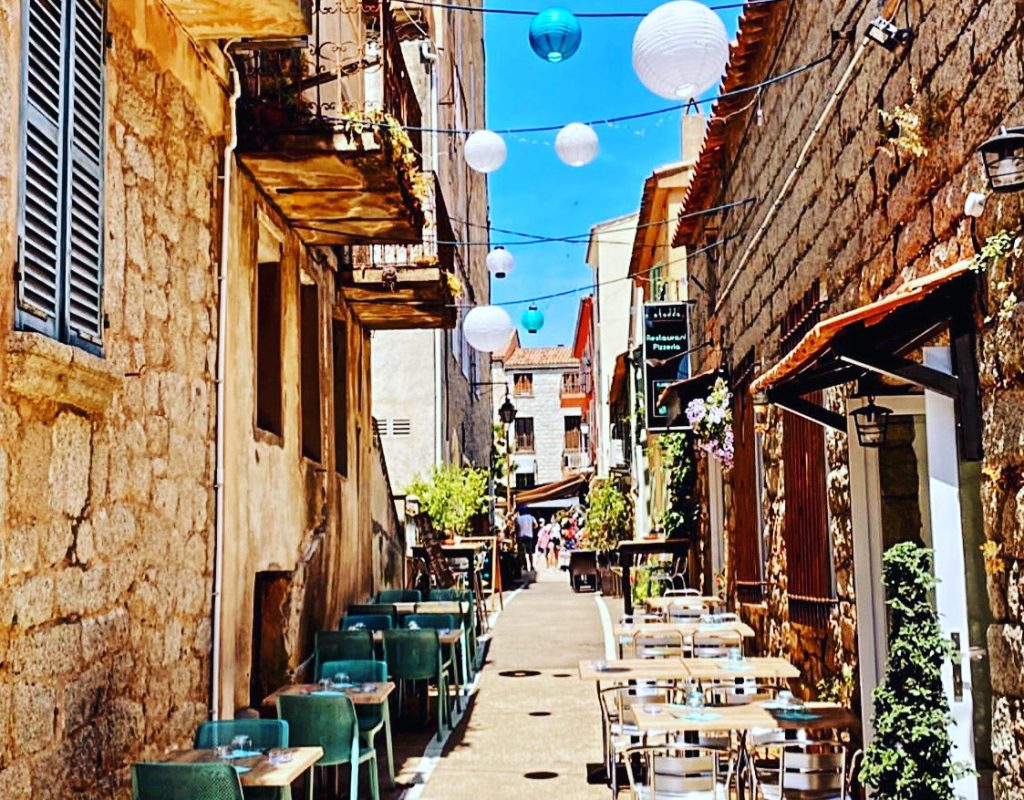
[(40, 223), (84, 214)]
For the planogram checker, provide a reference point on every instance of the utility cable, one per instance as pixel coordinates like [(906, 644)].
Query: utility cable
[(517, 12)]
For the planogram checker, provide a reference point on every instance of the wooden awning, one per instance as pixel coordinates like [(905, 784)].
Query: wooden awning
[(875, 338), (557, 490), (677, 396)]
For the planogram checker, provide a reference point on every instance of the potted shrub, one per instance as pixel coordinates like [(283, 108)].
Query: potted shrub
[(452, 497), (609, 521)]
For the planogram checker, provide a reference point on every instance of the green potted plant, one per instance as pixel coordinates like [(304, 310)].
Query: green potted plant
[(910, 754), (451, 497), (609, 521)]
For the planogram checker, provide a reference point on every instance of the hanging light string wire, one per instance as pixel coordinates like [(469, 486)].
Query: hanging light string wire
[(518, 12)]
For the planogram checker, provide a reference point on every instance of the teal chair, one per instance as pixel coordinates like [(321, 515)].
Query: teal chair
[(371, 717), (266, 734), (468, 620), (151, 781), (329, 721), (416, 656), (337, 645), (386, 609), (399, 596), (443, 622), (371, 622)]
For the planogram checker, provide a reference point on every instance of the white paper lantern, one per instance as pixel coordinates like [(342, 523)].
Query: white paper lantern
[(576, 144), (500, 262), (485, 151), (487, 328), (680, 50)]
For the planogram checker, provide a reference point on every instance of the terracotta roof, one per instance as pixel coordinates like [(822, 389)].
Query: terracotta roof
[(824, 333), (542, 357), (745, 69)]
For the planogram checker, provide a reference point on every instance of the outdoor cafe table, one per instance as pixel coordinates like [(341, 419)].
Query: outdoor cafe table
[(669, 669), (625, 633), (664, 601), (261, 772)]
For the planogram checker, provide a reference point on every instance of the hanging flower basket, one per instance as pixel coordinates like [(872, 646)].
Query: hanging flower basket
[(711, 420)]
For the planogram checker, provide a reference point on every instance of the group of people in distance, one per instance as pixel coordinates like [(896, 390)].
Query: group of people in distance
[(547, 539)]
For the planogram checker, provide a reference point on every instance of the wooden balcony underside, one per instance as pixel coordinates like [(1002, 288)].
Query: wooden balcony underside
[(232, 19), (421, 299), (336, 191)]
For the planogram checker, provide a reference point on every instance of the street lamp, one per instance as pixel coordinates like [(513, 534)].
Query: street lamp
[(872, 424), (1003, 156), (507, 412)]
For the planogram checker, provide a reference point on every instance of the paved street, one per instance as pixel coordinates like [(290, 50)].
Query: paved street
[(533, 725)]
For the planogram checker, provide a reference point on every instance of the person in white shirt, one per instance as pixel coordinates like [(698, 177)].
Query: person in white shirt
[(554, 542), (526, 530)]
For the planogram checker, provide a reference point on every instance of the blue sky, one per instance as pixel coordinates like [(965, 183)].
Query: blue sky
[(534, 191)]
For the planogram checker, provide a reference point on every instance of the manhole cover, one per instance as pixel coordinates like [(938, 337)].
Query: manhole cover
[(519, 673), (540, 776)]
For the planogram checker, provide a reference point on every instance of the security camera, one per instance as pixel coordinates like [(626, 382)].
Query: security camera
[(974, 206)]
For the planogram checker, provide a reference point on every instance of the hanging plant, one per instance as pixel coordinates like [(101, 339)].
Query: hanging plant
[(711, 420)]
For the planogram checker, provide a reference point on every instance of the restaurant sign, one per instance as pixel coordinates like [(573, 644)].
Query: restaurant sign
[(666, 357)]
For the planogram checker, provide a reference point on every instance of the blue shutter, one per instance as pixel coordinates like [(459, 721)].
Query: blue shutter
[(84, 214), (40, 220)]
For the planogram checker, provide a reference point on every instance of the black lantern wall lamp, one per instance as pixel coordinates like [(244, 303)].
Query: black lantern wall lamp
[(1003, 157), (872, 424), (507, 411)]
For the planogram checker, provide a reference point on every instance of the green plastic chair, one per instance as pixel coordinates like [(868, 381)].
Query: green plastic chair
[(399, 596), (372, 622), (337, 645), (442, 622), (416, 656), (329, 721), (265, 734), (386, 609), (468, 620), (372, 718), (158, 781)]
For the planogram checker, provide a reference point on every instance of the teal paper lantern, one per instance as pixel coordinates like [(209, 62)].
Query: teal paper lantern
[(555, 34), (532, 319)]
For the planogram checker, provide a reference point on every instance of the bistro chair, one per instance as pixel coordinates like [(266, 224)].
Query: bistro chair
[(715, 644), (444, 595), (336, 645), (266, 734), (804, 770), (469, 620), (387, 596), (678, 771), (329, 721), (634, 619), (658, 645), (443, 622), (372, 717), (682, 592), (416, 656), (685, 612), (386, 609), (215, 781), (371, 622)]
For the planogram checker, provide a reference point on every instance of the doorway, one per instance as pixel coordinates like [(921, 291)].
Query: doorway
[(916, 488)]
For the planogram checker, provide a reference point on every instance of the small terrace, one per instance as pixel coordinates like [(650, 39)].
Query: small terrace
[(330, 130)]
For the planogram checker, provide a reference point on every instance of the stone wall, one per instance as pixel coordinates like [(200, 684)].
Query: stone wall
[(106, 467), (544, 406), (862, 217)]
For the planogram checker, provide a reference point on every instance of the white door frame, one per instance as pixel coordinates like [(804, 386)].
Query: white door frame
[(947, 536)]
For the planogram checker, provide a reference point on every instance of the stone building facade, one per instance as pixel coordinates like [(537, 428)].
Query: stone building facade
[(115, 540), (842, 214)]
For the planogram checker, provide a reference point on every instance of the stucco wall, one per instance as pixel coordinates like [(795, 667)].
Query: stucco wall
[(862, 218)]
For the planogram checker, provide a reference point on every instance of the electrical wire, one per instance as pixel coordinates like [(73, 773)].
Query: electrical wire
[(516, 12)]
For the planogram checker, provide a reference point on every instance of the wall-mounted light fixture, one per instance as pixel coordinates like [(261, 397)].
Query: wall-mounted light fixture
[(872, 424), (507, 412), (887, 34), (1003, 156), (761, 412)]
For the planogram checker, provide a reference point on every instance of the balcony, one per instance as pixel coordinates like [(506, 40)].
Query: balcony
[(405, 286), (575, 461), (237, 19), (321, 130), (573, 392)]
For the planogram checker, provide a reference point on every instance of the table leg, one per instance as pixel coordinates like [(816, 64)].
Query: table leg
[(387, 744), (742, 761), (627, 589), (453, 650)]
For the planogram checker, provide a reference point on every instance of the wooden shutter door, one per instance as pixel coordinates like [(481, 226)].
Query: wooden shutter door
[(40, 218), (84, 221)]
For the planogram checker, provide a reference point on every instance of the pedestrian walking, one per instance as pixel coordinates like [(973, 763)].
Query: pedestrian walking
[(554, 542), (526, 531), (543, 539)]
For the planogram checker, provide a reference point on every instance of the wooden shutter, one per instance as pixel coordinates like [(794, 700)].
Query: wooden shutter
[(84, 248), (40, 216), (746, 488)]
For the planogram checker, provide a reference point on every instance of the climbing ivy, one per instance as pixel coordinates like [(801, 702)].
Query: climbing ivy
[(680, 463)]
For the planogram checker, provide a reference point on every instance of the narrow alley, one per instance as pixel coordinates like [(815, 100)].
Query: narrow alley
[(532, 725)]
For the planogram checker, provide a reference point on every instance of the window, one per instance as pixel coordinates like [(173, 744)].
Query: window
[(339, 351), (60, 205), (572, 383), (525, 480), (268, 348), (524, 434), (573, 434), (746, 487), (309, 369), (523, 384)]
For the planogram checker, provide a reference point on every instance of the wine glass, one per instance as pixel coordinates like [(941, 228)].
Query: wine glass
[(341, 679), (241, 744)]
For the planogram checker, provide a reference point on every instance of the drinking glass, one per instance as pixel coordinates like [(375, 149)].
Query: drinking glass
[(340, 679), (325, 684), (735, 654), (241, 743), (224, 752), (695, 699)]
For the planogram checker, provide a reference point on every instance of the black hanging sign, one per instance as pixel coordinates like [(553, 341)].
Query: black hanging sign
[(666, 358)]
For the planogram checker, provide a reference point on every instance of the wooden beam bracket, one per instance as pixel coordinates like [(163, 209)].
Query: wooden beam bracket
[(808, 410)]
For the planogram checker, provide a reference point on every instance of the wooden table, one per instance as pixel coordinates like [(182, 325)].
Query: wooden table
[(450, 637), (380, 693), (663, 602), (657, 718), (262, 772), (669, 669)]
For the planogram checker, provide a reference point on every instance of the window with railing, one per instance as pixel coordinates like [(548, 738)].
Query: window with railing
[(573, 434), (523, 386), (524, 434), (572, 383)]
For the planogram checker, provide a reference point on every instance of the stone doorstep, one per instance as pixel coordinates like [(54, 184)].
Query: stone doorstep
[(41, 368)]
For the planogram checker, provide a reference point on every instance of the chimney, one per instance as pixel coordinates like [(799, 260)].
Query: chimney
[(694, 129)]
